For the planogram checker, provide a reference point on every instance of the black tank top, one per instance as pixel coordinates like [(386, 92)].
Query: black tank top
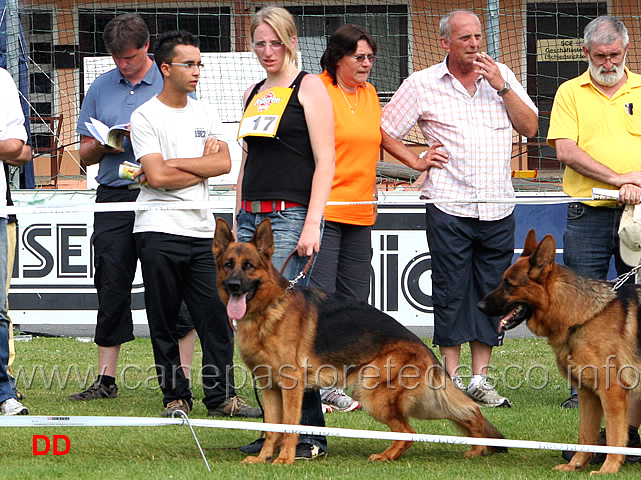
[(281, 168)]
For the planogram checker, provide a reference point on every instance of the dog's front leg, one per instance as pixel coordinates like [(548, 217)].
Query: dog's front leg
[(590, 414), (615, 405), (273, 401), (292, 394)]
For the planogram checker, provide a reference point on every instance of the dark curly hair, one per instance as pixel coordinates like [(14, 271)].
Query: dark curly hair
[(344, 42)]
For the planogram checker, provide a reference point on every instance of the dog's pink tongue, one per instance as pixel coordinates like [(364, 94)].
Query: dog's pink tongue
[(237, 306)]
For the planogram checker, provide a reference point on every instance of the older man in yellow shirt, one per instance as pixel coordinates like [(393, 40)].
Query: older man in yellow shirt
[(595, 126)]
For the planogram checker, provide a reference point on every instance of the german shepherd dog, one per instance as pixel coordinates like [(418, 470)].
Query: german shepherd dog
[(292, 338), (593, 331)]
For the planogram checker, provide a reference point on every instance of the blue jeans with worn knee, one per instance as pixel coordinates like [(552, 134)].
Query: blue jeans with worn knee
[(6, 390), (591, 239), (287, 226)]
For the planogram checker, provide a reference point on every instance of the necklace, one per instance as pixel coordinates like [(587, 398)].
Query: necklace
[(353, 109), (280, 82)]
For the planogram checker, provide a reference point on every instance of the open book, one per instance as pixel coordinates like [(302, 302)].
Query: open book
[(113, 137)]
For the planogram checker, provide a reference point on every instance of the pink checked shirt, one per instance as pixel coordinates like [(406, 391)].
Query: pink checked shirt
[(476, 133)]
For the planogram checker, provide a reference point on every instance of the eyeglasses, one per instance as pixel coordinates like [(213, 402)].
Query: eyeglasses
[(190, 65), (600, 59), (361, 58), (275, 45)]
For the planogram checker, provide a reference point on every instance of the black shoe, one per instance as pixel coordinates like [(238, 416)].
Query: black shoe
[(572, 402), (634, 441), (307, 451), (255, 447)]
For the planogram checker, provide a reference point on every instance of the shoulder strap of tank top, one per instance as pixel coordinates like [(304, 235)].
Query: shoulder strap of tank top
[(254, 92)]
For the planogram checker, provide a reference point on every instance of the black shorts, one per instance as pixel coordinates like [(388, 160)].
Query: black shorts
[(469, 257)]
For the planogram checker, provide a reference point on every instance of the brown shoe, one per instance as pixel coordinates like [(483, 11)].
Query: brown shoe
[(235, 407), (179, 405), (97, 390)]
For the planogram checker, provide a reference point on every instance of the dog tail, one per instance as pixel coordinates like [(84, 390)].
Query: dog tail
[(442, 399), (469, 419), (490, 431)]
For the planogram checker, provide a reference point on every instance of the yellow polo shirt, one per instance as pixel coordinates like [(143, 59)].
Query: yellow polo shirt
[(607, 129)]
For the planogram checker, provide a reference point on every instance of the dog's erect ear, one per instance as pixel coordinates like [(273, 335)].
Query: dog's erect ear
[(530, 243), (222, 238), (264, 239), (543, 256)]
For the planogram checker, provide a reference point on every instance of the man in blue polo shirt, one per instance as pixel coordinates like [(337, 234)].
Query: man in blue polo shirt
[(112, 98)]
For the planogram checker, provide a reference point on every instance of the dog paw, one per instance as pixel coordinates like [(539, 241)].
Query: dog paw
[(476, 452), (253, 460), (606, 469), (378, 457), (283, 461), (567, 467)]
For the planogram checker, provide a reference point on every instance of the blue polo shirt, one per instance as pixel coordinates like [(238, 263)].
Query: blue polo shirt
[(112, 99)]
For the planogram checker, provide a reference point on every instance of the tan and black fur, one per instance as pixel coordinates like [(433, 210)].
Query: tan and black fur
[(282, 330), (593, 331)]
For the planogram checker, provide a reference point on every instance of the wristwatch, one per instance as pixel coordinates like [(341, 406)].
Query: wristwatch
[(506, 88)]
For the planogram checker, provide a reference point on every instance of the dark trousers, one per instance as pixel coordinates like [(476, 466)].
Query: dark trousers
[(115, 262), (174, 268), (344, 262), (469, 257)]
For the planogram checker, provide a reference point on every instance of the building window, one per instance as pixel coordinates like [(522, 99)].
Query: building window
[(388, 24)]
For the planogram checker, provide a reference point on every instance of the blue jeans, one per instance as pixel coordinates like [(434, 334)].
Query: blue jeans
[(6, 390), (591, 239), (287, 226)]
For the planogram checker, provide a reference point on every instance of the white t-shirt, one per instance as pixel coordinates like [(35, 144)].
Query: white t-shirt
[(11, 123), (174, 133)]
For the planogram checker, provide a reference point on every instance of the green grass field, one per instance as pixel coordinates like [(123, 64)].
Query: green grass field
[(524, 369)]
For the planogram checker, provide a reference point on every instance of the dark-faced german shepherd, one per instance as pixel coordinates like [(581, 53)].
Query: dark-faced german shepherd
[(293, 337), (592, 329)]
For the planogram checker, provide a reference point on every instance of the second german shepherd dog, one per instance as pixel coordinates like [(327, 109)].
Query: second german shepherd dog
[(292, 338), (593, 331)]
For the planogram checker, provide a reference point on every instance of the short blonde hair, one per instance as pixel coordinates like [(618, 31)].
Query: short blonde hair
[(282, 23)]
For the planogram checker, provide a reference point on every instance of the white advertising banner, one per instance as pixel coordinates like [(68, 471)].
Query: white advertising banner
[(53, 277)]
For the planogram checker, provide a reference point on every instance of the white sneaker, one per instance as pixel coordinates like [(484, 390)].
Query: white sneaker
[(338, 400), (485, 395), (11, 406), (458, 383)]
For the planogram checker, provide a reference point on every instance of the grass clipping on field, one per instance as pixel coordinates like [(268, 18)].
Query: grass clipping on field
[(51, 369)]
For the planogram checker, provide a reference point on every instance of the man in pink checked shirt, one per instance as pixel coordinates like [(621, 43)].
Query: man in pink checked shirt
[(466, 107)]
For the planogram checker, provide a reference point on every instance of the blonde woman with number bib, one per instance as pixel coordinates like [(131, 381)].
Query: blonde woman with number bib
[(287, 169)]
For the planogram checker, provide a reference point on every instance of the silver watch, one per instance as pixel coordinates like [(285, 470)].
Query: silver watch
[(506, 88)]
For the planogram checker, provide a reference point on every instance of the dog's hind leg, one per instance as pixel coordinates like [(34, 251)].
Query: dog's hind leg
[(383, 404), (398, 447)]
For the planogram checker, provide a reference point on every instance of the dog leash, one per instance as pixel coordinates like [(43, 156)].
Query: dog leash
[(303, 272), (624, 278)]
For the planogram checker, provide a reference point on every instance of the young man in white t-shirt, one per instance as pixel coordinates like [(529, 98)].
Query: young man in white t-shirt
[(174, 138), (12, 139)]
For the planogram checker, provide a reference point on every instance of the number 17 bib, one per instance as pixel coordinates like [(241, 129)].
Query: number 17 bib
[(264, 113)]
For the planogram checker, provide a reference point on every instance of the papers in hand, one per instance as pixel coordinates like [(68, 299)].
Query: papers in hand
[(604, 194), (113, 137), (127, 170)]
